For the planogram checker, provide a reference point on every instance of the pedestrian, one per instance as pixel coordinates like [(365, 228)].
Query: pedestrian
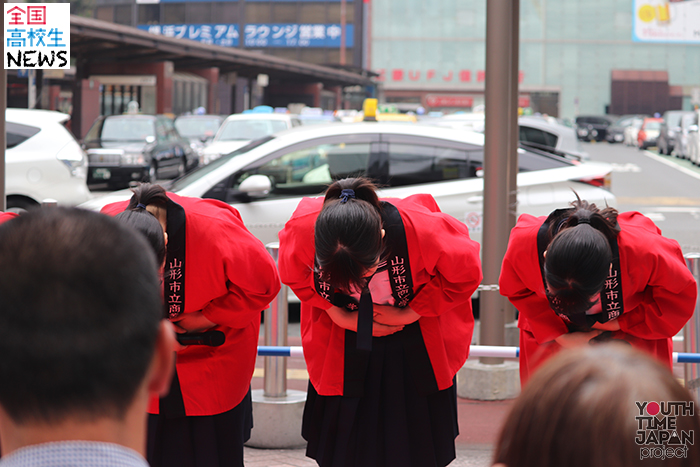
[(82, 339), (583, 274), (386, 322), (606, 405), (217, 277)]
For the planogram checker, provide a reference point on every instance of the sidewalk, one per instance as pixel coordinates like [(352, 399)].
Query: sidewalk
[(479, 422)]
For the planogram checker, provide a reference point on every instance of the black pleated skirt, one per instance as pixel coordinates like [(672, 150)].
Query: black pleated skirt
[(392, 424), (206, 441)]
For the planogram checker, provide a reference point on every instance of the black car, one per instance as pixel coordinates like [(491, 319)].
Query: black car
[(592, 127), (133, 147)]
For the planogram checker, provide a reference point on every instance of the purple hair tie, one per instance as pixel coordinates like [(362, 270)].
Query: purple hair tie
[(140, 205), (346, 194)]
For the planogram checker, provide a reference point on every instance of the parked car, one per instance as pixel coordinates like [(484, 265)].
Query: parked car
[(649, 133), (548, 134), (240, 129), (694, 139), (632, 131), (43, 160), (134, 147), (266, 179), (680, 138), (616, 131), (669, 126), (198, 129), (593, 127)]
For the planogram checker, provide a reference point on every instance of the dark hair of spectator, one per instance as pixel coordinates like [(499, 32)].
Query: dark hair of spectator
[(147, 224), (80, 307), (579, 255), (348, 234), (580, 409)]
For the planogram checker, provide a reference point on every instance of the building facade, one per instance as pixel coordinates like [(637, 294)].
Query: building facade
[(322, 32), (432, 54)]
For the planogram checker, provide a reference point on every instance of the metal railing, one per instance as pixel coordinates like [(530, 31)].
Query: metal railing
[(276, 351), (691, 343)]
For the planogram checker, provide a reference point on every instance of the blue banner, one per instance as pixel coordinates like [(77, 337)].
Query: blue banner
[(296, 35), (226, 35)]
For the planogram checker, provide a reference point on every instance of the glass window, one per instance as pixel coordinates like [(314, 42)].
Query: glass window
[(284, 13), (258, 13), (334, 13), (225, 12), (127, 129), (199, 13), (149, 14), (174, 13), (411, 164), (528, 161), (241, 130), (197, 126), (309, 170), (122, 14), (313, 13), (18, 133), (538, 137)]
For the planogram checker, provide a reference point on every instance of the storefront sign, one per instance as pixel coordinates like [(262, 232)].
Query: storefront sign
[(226, 35)]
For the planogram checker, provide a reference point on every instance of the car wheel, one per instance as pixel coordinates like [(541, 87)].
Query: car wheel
[(20, 205)]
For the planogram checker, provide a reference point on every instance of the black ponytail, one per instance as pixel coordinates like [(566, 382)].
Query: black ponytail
[(347, 233)]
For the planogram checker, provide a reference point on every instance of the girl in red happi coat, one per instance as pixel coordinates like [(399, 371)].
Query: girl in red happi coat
[(583, 275), (386, 321), (217, 277)]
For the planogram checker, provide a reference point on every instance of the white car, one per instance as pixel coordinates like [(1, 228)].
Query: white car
[(266, 179), (548, 134), (43, 161), (240, 129)]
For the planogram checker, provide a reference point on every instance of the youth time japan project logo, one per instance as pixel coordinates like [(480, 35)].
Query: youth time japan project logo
[(37, 35), (657, 430)]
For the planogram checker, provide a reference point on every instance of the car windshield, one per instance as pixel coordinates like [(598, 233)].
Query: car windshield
[(127, 129), (242, 130), (652, 125), (196, 127), (200, 172)]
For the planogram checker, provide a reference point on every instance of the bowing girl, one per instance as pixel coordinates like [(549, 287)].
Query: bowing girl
[(386, 322), (583, 274), (219, 277)]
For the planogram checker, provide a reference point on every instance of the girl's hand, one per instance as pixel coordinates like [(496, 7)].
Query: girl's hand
[(192, 322), (394, 316), (348, 320), (576, 339)]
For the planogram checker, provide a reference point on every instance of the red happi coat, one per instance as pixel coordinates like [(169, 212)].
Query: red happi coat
[(659, 291), (231, 278), (6, 216), (445, 269)]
